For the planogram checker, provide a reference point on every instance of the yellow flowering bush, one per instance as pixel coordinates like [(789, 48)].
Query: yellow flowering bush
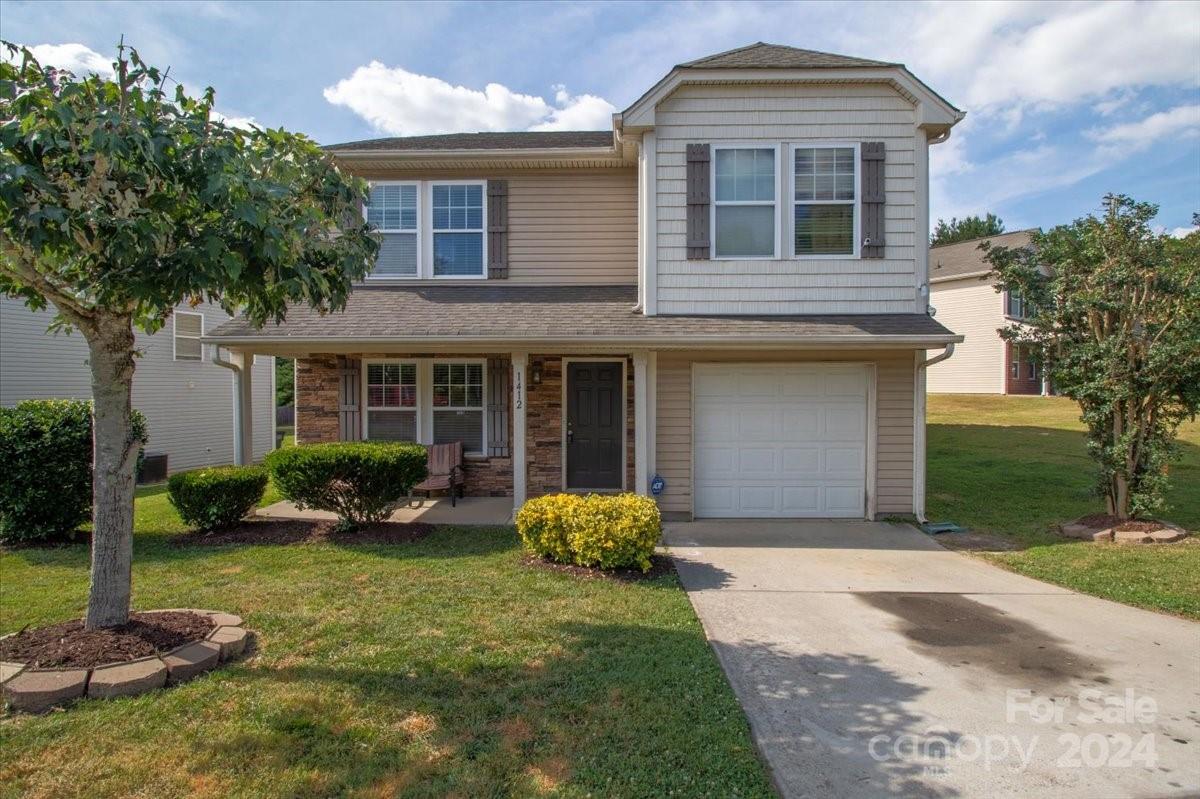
[(609, 531)]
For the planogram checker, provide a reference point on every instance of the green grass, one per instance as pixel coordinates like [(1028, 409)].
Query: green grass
[(1017, 467), (440, 668)]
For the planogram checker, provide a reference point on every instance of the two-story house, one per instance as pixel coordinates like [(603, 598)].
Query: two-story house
[(728, 290)]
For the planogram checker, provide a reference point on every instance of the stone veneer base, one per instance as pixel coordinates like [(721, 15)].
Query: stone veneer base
[(36, 690)]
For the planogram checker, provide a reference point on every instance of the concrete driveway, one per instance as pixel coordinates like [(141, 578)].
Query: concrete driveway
[(872, 662)]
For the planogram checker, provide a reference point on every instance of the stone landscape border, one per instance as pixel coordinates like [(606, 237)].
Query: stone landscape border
[(34, 690), (1167, 534)]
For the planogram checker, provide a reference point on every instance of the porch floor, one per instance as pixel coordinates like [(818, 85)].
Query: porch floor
[(487, 511)]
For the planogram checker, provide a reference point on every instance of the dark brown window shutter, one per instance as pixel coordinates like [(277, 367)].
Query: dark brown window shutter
[(698, 166), (349, 391), (497, 229), (873, 196), (499, 371)]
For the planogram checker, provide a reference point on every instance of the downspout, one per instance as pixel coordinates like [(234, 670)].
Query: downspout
[(237, 402), (919, 430)]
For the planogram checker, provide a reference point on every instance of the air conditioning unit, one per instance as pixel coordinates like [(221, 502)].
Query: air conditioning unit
[(153, 468)]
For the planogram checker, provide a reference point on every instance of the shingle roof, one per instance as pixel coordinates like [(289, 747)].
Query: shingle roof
[(965, 258), (514, 140), (761, 55), (552, 313)]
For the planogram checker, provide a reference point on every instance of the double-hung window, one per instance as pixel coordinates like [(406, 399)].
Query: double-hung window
[(744, 202), (392, 210), (189, 327), (458, 404), (391, 401), (825, 187), (458, 234), (1015, 305)]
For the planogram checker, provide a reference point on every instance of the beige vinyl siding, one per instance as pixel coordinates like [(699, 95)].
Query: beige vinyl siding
[(894, 421), (564, 226), (772, 114), (188, 404), (972, 307)]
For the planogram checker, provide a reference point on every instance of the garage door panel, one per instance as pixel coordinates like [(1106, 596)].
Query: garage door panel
[(781, 440), (763, 460), (801, 460), (801, 500)]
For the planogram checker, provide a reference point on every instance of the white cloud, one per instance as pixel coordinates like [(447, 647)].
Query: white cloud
[(402, 103), (1183, 120), (78, 58), (1180, 232)]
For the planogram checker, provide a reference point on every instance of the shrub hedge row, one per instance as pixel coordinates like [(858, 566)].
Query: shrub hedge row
[(46, 452), (609, 531), (361, 481)]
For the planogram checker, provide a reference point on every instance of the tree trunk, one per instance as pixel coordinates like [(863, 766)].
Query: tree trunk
[(114, 457)]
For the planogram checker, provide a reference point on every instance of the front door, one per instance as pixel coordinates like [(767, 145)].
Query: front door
[(595, 430)]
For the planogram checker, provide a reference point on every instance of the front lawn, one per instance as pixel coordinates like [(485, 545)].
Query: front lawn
[(440, 668), (1017, 467)]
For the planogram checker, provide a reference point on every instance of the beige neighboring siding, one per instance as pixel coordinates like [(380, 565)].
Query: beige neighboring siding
[(772, 114), (894, 421), (971, 307), (577, 226)]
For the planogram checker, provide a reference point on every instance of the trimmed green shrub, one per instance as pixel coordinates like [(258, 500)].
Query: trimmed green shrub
[(359, 481), (609, 531), (216, 497), (46, 449)]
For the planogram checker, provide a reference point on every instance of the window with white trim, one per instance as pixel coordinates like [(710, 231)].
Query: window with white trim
[(458, 404), (825, 201), (391, 400), (744, 202), (1015, 305), (392, 210), (456, 210), (189, 327)]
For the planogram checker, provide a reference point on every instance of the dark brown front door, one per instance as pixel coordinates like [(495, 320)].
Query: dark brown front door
[(595, 433)]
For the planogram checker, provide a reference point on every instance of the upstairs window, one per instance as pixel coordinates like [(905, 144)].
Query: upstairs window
[(1014, 305), (392, 211), (744, 202), (458, 235), (391, 401), (825, 201), (189, 327)]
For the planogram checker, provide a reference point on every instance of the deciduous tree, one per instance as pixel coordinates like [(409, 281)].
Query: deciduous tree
[(120, 199), (1113, 308), (971, 227)]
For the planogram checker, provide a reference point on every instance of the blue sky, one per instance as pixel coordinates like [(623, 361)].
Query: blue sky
[(1065, 101)]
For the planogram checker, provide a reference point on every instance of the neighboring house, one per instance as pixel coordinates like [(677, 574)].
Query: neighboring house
[(966, 301), (187, 400), (727, 290)]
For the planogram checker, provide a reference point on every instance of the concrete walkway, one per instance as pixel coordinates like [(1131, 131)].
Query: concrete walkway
[(872, 662), (482, 511)]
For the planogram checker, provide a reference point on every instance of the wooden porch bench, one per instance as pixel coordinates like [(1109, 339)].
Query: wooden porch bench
[(445, 471)]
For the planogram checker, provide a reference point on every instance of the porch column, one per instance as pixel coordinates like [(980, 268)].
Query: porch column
[(244, 409), (642, 424), (519, 362)]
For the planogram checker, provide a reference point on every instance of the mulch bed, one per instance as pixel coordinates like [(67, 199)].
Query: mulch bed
[(977, 542), (68, 645), (1101, 521), (659, 565), (305, 531)]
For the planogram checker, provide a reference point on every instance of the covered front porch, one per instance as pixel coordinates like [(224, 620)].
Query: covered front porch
[(531, 423)]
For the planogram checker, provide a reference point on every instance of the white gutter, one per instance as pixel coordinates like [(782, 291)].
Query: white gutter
[(518, 154), (919, 429), (238, 411), (720, 341)]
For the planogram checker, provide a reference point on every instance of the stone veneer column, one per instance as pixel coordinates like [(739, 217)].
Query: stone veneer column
[(317, 382)]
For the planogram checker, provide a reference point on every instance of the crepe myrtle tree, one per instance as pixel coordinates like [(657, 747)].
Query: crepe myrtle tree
[(1114, 315), (119, 200)]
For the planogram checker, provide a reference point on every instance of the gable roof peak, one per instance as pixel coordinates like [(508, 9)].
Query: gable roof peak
[(763, 55)]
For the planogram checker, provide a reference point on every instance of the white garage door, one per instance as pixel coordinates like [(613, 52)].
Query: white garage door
[(782, 440)]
